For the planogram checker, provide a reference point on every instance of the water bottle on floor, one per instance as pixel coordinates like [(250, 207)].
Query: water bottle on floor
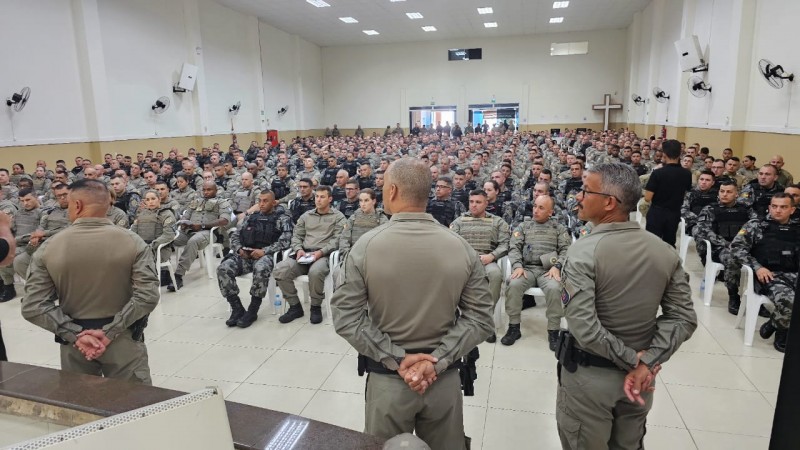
[(703, 285), (277, 305)]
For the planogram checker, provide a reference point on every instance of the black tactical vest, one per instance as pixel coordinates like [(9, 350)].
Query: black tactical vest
[(279, 187), (572, 185), (728, 221), (124, 200), (443, 211), (762, 198), (703, 199), (461, 195), (348, 208), (260, 230), (777, 249), (300, 206)]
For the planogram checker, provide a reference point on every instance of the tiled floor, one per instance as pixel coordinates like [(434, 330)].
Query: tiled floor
[(716, 393)]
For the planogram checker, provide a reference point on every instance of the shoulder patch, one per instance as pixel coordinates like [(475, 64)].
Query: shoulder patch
[(742, 232), (517, 234)]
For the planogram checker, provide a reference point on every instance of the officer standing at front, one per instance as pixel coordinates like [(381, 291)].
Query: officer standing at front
[(100, 316), (770, 247), (253, 244), (391, 310), (489, 236), (613, 282), (536, 253)]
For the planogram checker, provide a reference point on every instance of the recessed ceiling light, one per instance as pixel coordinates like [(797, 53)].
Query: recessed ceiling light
[(429, 28), (370, 32), (490, 24), (318, 3), (348, 20), (486, 10), (557, 5), (395, 1), (414, 15), (556, 19)]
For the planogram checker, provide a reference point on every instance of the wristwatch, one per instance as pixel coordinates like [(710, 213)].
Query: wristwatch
[(557, 265)]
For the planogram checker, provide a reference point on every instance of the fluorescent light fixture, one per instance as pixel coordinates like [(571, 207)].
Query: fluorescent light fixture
[(348, 20), (490, 24), (558, 5), (414, 15), (318, 3), (556, 19), (486, 10), (429, 28), (395, 1), (370, 32)]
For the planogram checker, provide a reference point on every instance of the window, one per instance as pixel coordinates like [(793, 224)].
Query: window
[(569, 48)]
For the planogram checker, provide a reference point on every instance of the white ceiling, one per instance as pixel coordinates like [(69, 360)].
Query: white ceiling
[(452, 18)]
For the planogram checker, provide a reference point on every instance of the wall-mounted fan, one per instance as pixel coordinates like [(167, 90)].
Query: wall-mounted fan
[(234, 109), (774, 73), (283, 110), (660, 95), (161, 105), (18, 100), (637, 99), (698, 87)]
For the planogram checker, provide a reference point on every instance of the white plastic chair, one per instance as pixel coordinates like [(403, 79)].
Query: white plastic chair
[(637, 214), (685, 241), (751, 304), (301, 283), (215, 248), (165, 264), (712, 270), (501, 305)]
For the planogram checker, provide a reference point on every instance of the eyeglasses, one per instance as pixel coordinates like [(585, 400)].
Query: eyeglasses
[(439, 186), (584, 192)]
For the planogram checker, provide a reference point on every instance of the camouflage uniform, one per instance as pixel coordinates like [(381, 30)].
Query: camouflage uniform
[(758, 197), (764, 243), (487, 235), (268, 232), (184, 197), (129, 203), (693, 202), (718, 225), (532, 246)]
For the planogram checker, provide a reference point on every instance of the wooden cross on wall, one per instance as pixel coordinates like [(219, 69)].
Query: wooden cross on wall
[(606, 106)]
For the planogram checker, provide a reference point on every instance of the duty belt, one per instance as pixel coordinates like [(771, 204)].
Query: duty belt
[(87, 324)]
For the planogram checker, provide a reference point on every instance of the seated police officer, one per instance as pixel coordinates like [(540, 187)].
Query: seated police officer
[(304, 200), (536, 253), (770, 247), (253, 243), (442, 206), (718, 224), (698, 198)]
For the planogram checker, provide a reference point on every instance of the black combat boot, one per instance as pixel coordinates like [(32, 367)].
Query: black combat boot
[(178, 283), (492, 339), (165, 279), (767, 330), (552, 339), (512, 335), (252, 313), (780, 340), (734, 300), (316, 314), (8, 293), (294, 312), (528, 301), (763, 311), (237, 310)]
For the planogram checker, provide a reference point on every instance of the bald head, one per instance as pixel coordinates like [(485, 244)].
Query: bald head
[(412, 180)]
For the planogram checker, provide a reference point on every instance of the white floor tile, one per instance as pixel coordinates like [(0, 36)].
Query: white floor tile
[(664, 413), (338, 408), (665, 438), (519, 429), (723, 410), (344, 377), (199, 330), (317, 338), (718, 371), (296, 369), (166, 358), (474, 423), (278, 398), (195, 384), (721, 441), (226, 364), (522, 390), (764, 373)]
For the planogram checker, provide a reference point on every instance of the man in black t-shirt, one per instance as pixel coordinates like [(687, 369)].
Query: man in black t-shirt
[(665, 191)]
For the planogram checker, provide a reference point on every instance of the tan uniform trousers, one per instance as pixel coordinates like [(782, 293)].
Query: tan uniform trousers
[(437, 416), (593, 412), (287, 270), (552, 294), (495, 275), (192, 245), (22, 260), (125, 359)]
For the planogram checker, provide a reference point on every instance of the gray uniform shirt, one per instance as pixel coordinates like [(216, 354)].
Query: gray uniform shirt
[(387, 301), (613, 282)]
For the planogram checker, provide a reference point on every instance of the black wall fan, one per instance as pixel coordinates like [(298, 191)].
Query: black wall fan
[(18, 100), (774, 73), (660, 95), (637, 99), (161, 105), (698, 87), (234, 109)]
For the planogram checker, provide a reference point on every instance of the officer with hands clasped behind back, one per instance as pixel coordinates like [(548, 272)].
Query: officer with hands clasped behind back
[(613, 282), (403, 320), (252, 245)]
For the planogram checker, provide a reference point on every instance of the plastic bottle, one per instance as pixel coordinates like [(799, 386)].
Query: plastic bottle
[(277, 304)]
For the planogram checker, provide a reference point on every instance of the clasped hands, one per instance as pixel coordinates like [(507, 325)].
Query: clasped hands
[(417, 371), (640, 380), (92, 343)]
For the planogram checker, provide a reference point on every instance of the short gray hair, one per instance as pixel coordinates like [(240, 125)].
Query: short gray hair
[(621, 181), (412, 178)]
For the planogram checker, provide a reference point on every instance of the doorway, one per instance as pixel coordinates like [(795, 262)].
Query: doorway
[(494, 113), (431, 115)]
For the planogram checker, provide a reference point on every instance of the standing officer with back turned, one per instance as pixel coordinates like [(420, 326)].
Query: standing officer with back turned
[(403, 321), (100, 316), (613, 282)]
